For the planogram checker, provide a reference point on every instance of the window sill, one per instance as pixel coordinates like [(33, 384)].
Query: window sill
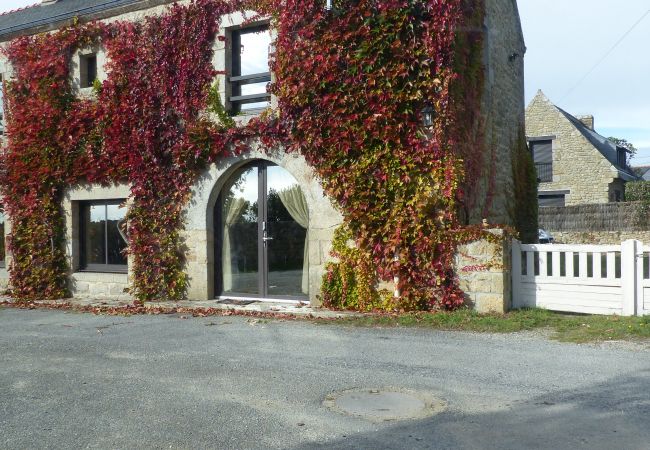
[(100, 277), (87, 92), (107, 271), (243, 118)]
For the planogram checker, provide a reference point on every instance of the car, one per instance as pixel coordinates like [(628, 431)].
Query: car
[(545, 237)]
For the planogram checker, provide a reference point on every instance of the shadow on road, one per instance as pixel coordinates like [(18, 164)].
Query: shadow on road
[(612, 415)]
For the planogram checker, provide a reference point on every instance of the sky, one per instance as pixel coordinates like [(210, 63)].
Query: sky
[(565, 40)]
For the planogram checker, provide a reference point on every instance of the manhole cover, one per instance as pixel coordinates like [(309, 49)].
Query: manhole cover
[(384, 404)]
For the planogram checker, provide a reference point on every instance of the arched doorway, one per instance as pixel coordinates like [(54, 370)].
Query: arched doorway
[(261, 223)]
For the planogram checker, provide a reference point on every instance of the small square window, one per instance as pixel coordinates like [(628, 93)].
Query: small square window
[(103, 236), (87, 70), (250, 69)]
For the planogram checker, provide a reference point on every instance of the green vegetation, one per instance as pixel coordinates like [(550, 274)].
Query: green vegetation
[(625, 144), (637, 191), (563, 327)]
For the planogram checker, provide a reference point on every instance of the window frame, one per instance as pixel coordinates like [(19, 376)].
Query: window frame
[(621, 157), (552, 195), (84, 266), (2, 104), (236, 80), (545, 176), (84, 74), (3, 261)]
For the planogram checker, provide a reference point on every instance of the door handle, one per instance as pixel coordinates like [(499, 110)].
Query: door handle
[(265, 235)]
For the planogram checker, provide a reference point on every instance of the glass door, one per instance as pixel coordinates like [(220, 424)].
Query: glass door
[(285, 235), (237, 250), (261, 250)]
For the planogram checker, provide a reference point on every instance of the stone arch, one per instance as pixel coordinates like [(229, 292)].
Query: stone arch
[(199, 230)]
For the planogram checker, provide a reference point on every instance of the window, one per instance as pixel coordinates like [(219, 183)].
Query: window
[(551, 200), (103, 236), (2, 239), (87, 70), (250, 69), (621, 157), (543, 156)]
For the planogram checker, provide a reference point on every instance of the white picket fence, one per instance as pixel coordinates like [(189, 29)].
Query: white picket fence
[(593, 279)]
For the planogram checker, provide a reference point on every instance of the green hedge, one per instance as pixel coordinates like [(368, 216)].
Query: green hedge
[(637, 191)]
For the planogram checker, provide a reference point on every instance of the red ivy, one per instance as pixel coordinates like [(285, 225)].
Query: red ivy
[(350, 84)]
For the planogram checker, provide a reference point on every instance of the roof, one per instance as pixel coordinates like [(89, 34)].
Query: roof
[(43, 16), (643, 172), (606, 147)]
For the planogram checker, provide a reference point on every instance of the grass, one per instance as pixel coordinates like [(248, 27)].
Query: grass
[(564, 327)]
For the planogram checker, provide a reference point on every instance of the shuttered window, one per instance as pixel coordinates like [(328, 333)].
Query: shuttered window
[(543, 156), (551, 200)]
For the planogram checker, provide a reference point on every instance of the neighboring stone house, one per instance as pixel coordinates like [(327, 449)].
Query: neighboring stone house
[(575, 165), (222, 256)]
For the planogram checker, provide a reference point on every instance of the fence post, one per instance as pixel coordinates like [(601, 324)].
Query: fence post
[(515, 274), (629, 276), (640, 306)]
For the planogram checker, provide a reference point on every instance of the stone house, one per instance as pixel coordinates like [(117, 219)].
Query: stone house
[(232, 251), (575, 165)]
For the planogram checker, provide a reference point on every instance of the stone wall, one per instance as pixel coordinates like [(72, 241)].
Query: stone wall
[(503, 110), (91, 284), (199, 230), (483, 269), (100, 285), (578, 167)]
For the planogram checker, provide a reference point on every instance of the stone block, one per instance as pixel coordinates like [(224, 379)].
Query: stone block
[(487, 284), (81, 287), (326, 251), (489, 303), (314, 252), (98, 289), (116, 289)]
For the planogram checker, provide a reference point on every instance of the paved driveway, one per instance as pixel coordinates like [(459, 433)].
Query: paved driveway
[(70, 380)]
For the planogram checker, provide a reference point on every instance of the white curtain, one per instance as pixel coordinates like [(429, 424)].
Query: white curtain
[(231, 215), (296, 204)]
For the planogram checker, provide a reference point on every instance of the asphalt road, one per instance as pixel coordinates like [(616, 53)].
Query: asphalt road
[(70, 380)]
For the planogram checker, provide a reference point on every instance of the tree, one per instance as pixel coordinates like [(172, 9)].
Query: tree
[(625, 144)]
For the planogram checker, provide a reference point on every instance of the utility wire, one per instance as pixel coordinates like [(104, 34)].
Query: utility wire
[(609, 52)]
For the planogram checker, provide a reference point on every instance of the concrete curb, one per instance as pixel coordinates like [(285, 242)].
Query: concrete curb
[(200, 307)]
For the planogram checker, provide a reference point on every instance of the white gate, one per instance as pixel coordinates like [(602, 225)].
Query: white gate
[(643, 277), (593, 279)]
